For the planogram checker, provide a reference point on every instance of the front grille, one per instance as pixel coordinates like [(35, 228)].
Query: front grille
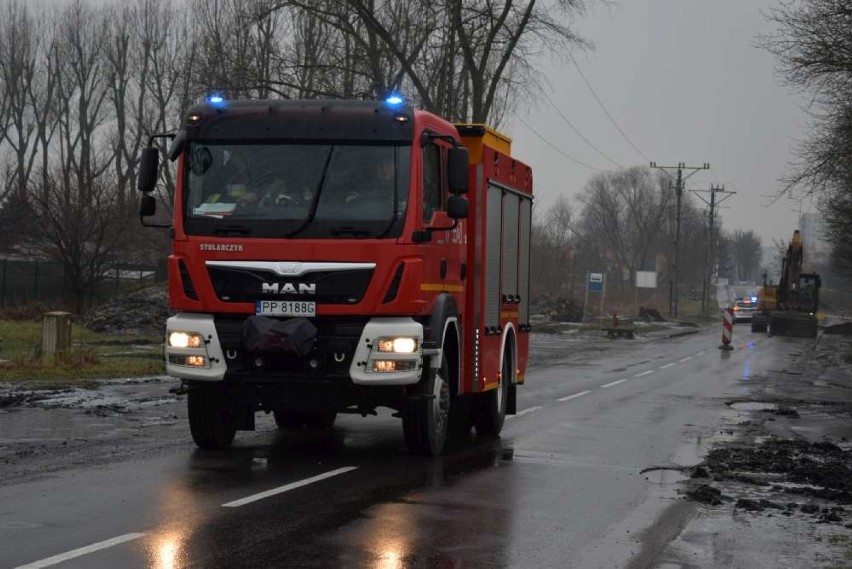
[(332, 287), (332, 353)]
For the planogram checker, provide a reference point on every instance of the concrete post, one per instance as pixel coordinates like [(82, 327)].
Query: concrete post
[(56, 336)]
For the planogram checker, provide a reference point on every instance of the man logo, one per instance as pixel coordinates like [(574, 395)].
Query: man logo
[(290, 288)]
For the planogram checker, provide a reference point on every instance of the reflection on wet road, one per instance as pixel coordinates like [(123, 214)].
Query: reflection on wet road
[(586, 465)]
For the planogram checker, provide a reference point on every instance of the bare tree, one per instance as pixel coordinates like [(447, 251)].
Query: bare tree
[(813, 47), (552, 251), (82, 229), (19, 44), (127, 69), (624, 213), (747, 254), (82, 95)]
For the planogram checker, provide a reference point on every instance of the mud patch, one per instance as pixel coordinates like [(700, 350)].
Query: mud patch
[(664, 475)]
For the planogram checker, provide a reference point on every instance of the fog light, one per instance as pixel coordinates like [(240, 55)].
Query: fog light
[(192, 361), (185, 340), (196, 361), (389, 366)]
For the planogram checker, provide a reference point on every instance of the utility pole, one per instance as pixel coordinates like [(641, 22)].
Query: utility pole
[(674, 275), (710, 251)]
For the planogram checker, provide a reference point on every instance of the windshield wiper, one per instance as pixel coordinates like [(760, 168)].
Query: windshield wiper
[(348, 232), (232, 230), (313, 210)]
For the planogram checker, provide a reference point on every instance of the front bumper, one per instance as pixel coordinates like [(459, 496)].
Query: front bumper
[(345, 352)]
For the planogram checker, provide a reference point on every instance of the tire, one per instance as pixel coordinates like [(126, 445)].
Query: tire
[(426, 420), (309, 420), (492, 413), (211, 417), (461, 417)]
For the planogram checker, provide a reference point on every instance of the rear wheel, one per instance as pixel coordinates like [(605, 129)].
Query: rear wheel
[(492, 414), (426, 419), (212, 420)]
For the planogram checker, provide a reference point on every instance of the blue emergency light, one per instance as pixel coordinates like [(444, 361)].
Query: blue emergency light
[(394, 99), (216, 100)]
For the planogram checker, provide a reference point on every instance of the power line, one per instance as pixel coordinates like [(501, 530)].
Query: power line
[(586, 81), (580, 134), (560, 151)]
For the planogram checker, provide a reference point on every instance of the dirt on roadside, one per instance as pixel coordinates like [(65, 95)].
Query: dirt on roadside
[(780, 480)]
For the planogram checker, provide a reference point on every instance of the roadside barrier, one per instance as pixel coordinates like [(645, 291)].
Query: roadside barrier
[(727, 329)]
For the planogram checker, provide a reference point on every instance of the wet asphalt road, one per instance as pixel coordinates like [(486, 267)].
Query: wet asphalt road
[(565, 486)]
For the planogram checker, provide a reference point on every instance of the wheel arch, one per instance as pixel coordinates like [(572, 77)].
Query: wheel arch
[(510, 344), (445, 331)]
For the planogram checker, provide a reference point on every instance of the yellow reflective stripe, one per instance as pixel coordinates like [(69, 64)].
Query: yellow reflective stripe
[(438, 287), (508, 315)]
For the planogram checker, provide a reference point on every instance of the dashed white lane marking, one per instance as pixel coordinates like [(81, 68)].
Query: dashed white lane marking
[(524, 412), (686, 359), (666, 366), (644, 373), (575, 396), (610, 384), (288, 487), (701, 353), (82, 551)]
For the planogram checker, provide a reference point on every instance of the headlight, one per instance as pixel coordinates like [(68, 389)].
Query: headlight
[(402, 345), (185, 340)]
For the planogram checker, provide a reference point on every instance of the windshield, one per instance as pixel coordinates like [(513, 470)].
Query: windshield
[(296, 190)]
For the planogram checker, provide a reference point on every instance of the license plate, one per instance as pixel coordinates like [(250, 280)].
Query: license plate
[(285, 308)]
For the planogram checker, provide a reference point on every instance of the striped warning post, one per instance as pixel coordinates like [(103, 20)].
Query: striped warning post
[(727, 328)]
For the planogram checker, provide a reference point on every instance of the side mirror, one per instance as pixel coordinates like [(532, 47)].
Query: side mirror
[(149, 162), (459, 173), (147, 206), (457, 207), (177, 145)]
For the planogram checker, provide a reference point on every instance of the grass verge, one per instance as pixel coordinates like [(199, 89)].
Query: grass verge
[(92, 356)]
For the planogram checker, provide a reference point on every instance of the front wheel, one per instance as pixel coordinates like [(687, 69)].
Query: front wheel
[(212, 420), (425, 421)]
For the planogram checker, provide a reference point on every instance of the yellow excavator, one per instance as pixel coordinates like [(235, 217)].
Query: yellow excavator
[(790, 307)]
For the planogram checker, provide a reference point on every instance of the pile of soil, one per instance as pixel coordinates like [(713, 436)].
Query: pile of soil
[(795, 467), (140, 313)]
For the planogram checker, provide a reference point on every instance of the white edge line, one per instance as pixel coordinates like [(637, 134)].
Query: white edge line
[(82, 551), (610, 384), (666, 366), (524, 412), (686, 359), (644, 373), (287, 487), (576, 395)]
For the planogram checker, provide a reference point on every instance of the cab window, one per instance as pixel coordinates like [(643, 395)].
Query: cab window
[(431, 180)]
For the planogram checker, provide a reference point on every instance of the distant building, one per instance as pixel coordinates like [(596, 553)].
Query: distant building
[(815, 245)]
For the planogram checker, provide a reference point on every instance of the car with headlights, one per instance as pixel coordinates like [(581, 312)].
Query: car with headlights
[(744, 309)]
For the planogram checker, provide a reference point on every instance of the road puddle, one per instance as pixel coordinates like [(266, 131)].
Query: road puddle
[(753, 406), (663, 475)]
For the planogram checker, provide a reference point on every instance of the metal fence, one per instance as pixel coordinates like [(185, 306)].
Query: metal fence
[(25, 281)]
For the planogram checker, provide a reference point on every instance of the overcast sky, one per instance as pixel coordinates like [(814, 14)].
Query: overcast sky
[(683, 80)]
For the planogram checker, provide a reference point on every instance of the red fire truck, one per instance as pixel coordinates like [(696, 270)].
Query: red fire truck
[(337, 256)]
